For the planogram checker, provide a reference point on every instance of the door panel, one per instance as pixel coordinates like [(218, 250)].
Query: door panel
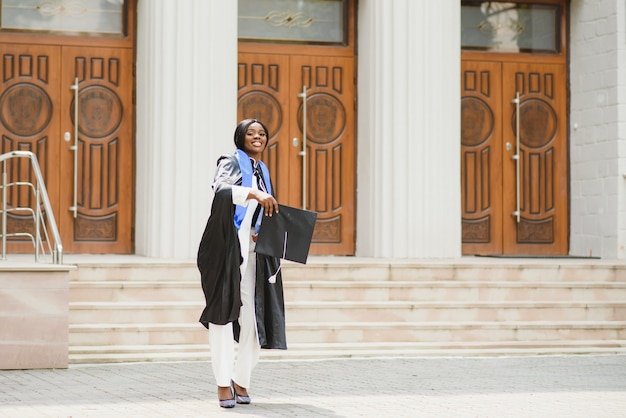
[(543, 196), (269, 89), (329, 184), (103, 221), (29, 121), (263, 93), (490, 174), (36, 114), (36, 110), (481, 157)]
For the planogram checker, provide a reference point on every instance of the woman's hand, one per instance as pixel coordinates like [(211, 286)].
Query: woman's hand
[(267, 201)]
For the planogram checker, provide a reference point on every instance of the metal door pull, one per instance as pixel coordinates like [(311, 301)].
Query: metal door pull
[(516, 157), (303, 152), (74, 207)]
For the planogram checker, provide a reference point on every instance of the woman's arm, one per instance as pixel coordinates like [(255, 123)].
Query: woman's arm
[(267, 201), (228, 175)]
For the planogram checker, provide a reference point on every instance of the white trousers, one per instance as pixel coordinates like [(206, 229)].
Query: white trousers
[(225, 368)]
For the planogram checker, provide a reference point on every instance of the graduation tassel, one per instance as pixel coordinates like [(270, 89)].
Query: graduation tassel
[(272, 278)]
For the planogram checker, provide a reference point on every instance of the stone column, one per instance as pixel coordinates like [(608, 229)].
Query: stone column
[(409, 129), (186, 115)]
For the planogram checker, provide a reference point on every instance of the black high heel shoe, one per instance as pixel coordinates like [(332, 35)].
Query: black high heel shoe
[(241, 399)]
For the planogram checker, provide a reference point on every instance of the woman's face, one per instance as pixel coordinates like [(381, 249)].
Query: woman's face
[(255, 140)]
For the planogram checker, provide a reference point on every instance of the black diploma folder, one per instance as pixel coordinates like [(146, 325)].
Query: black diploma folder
[(287, 234)]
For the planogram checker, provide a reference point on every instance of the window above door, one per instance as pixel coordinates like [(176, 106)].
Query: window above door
[(66, 17), (511, 27), (322, 22)]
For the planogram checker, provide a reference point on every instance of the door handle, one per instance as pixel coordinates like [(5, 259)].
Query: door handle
[(74, 207), (303, 152), (516, 157), (296, 142)]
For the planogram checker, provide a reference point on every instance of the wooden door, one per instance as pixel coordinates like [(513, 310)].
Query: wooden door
[(29, 121), (481, 158), (104, 193), (542, 187), (37, 114), (263, 93), (494, 190), (41, 59), (270, 86), (329, 175)]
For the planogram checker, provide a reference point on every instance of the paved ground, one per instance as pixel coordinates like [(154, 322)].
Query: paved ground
[(554, 386)]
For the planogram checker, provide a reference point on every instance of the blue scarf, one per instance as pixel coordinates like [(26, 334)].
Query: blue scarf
[(245, 165)]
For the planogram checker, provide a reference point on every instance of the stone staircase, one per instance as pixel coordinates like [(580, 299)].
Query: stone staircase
[(148, 310)]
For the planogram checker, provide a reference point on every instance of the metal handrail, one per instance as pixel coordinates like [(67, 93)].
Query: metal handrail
[(41, 197)]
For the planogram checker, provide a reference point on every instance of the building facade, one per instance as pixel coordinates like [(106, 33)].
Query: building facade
[(395, 167)]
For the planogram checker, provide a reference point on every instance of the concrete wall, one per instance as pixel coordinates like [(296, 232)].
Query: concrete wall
[(34, 307), (598, 135)]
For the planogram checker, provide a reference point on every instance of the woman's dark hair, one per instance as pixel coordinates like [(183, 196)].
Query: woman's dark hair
[(242, 128)]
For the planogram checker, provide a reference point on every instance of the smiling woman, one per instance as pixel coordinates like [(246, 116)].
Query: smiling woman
[(241, 303), (255, 140), (70, 17)]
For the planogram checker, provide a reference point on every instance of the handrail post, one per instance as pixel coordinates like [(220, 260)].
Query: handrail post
[(41, 198), (37, 223)]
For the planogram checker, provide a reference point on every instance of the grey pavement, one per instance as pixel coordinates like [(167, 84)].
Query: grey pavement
[(537, 386)]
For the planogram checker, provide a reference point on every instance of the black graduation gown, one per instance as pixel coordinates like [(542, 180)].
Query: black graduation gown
[(219, 258), (269, 304)]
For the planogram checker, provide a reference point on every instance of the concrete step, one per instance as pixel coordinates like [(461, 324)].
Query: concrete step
[(114, 354), (466, 331), (348, 307), (148, 270), (470, 269), (128, 291), (456, 311), (449, 290), (135, 312), (182, 311), (135, 291), (365, 332), (358, 269)]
